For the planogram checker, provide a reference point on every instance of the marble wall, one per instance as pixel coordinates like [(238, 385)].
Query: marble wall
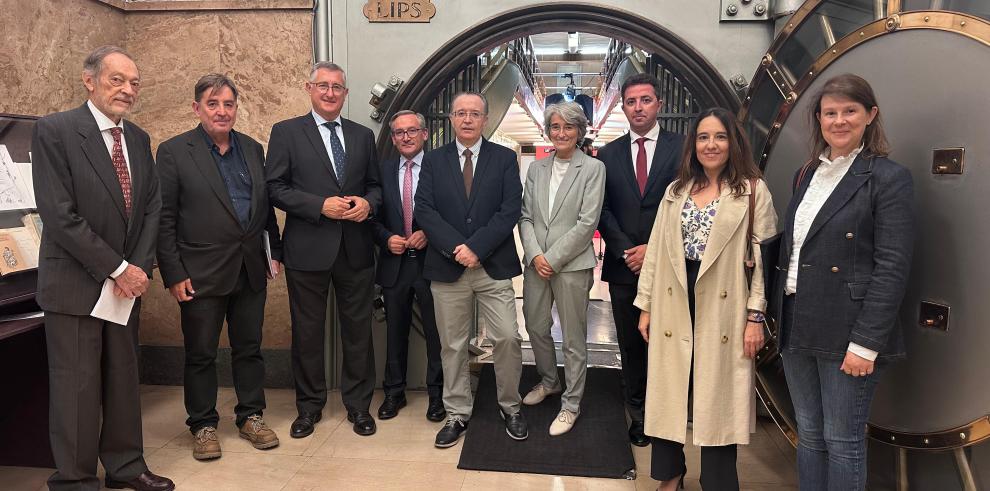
[(267, 52), (44, 44)]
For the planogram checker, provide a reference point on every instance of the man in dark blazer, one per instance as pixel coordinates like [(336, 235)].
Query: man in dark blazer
[(98, 196), (216, 233), (322, 170), (402, 252), (468, 202), (638, 168)]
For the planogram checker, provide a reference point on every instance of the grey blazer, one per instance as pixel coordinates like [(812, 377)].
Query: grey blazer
[(562, 234)]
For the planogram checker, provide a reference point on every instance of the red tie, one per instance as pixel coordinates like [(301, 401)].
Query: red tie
[(120, 165), (641, 165), (407, 197)]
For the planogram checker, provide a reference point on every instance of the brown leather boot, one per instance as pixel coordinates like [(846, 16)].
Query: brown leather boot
[(258, 433), (206, 445)]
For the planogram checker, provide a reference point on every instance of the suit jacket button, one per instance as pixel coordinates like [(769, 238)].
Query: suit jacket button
[(668, 334), (724, 294), (469, 220), (725, 339), (849, 235), (670, 291), (835, 269)]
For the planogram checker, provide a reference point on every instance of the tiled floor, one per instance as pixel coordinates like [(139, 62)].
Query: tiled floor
[(400, 456)]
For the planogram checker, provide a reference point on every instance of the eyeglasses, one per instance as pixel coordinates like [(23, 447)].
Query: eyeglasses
[(465, 114), (412, 132), (556, 128), (323, 88), (118, 81)]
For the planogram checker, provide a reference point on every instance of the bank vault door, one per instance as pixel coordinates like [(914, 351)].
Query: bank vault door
[(929, 421)]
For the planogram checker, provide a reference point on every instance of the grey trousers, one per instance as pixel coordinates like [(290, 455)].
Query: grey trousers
[(570, 291), (454, 305)]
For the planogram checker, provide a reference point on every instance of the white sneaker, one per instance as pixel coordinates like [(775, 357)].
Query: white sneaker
[(564, 422), (538, 393)]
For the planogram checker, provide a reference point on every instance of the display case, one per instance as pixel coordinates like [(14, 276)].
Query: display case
[(23, 356)]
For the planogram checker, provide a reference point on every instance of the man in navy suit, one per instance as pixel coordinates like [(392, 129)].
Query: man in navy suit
[(468, 202), (322, 170), (638, 168), (400, 268)]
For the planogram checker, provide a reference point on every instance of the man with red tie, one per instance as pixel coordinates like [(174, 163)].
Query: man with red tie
[(98, 196), (638, 168), (401, 257)]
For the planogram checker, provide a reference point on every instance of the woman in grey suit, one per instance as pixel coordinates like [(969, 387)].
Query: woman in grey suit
[(844, 264), (561, 205)]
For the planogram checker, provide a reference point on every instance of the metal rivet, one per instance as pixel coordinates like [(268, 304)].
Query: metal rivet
[(926, 441), (962, 24), (811, 73), (790, 25), (861, 33), (731, 9), (834, 51), (892, 438), (927, 18), (776, 126), (962, 436)]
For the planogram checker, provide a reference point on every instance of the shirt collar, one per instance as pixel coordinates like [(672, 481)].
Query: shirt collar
[(320, 119), (845, 159), (102, 121), (212, 145), (653, 134), (474, 148), (417, 160)]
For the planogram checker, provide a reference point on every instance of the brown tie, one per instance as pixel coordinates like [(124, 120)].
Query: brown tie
[(468, 172), (120, 165)]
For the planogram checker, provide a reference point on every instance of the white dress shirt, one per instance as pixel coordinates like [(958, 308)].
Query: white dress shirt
[(823, 182), (417, 165), (105, 124), (557, 171), (475, 153), (325, 134), (650, 144)]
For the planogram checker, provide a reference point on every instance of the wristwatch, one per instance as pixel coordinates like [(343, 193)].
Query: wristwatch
[(756, 316)]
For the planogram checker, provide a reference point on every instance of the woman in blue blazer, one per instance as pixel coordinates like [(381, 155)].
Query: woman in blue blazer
[(844, 264)]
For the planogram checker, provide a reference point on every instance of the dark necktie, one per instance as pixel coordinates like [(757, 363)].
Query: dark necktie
[(339, 157), (468, 171), (641, 174), (120, 166), (407, 197)]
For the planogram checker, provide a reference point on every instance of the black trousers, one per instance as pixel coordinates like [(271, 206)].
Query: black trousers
[(410, 285), (308, 290), (718, 463), (631, 347), (202, 321), (93, 375)]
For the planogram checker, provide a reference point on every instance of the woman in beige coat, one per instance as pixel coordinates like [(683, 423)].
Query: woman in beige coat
[(700, 315)]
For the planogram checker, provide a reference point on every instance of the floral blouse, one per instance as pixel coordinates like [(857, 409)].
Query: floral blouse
[(696, 226)]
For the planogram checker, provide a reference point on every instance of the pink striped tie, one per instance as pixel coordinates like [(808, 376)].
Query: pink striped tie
[(407, 197)]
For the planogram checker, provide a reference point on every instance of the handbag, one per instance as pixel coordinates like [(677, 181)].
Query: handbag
[(769, 248)]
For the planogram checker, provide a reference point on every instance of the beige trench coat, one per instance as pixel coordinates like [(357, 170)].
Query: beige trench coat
[(724, 398)]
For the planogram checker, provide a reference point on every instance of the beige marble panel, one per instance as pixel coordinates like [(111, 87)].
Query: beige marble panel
[(174, 49), (45, 43)]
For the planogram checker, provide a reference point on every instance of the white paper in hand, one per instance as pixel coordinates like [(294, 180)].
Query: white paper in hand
[(112, 308)]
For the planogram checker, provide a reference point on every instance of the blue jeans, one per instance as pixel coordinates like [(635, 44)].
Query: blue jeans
[(831, 409)]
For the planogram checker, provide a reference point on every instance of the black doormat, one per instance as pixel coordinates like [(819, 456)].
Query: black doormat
[(597, 446)]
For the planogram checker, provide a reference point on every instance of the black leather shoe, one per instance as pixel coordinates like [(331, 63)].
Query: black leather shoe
[(147, 481), (364, 424), (515, 425), (303, 425), (390, 406), (636, 435), (436, 411), (450, 433)]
